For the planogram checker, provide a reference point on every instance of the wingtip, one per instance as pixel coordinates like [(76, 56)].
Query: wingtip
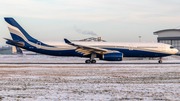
[(8, 18), (66, 40)]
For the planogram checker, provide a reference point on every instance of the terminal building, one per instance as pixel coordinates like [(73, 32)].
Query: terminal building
[(169, 36)]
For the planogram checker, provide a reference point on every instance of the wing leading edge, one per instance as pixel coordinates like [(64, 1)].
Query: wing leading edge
[(86, 50)]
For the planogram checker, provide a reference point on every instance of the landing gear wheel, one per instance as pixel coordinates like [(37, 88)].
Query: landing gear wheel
[(87, 61), (93, 61), (160, 61)]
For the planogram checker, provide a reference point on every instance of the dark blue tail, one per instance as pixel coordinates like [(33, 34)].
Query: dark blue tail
[(18, 35), (17, 32)]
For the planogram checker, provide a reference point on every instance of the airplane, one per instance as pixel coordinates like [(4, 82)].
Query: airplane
[(109, 51)]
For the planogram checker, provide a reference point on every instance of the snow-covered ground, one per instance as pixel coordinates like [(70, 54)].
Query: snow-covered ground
[(56, 59), (102, 82)]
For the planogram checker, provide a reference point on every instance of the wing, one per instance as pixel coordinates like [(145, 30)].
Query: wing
[(86, 50)]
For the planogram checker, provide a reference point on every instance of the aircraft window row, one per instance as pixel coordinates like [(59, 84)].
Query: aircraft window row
[(110, 46), (120, 46), (147, 47), (123, 47), (105, 46)]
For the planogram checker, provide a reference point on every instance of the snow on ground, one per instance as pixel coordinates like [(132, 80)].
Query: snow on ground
[(87, 81), (56, 59)]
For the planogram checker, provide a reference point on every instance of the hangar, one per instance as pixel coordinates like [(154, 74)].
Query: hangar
[(169, 36)]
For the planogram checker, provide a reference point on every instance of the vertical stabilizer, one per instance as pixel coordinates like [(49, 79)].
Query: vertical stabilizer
[(17, 32)]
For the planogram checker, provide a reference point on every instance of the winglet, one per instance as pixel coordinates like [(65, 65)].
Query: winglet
[(67, 41)]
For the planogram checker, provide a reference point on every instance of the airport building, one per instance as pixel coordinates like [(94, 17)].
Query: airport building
[(169, 36), (6, 49)]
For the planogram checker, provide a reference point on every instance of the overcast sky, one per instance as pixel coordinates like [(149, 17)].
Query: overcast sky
[(113, 20)]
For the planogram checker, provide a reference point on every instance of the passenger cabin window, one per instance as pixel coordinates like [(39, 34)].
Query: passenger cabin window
[(171, 47)]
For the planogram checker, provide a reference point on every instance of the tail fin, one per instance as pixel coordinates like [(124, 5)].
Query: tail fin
[(17, 32), (20, 36)]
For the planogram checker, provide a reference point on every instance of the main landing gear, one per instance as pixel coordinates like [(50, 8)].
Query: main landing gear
[(160, 60), (91, 60)]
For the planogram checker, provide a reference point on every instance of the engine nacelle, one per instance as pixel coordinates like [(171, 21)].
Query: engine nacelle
[(112, 57)]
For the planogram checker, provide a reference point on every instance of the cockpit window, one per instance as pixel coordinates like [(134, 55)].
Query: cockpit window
[(171, 47)]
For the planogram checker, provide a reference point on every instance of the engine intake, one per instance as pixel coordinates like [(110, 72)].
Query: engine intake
[(112, 57)]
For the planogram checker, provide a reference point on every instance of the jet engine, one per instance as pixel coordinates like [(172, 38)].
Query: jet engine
[(112, 57)]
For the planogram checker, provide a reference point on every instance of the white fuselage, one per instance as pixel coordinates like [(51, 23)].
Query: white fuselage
[(151, 47)]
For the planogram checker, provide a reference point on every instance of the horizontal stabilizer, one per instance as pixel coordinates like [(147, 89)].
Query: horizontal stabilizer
[(20, 44)]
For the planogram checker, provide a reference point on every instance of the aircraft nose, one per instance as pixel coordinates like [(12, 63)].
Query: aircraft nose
[(176, 51)]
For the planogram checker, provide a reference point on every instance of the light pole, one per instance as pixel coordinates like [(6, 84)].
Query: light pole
[(139, 38)]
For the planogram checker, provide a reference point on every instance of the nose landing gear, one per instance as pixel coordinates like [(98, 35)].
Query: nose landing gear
[(160, 60)]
